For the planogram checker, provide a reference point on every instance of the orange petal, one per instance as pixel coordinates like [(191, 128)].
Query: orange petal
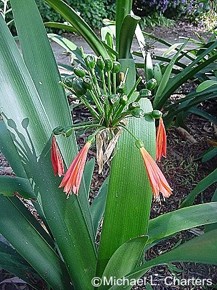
[(161, 141), (56, 158), (156, 178)]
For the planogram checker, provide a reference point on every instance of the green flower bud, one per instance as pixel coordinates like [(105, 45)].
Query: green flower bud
[(134, 105), (144, 93), (68, 82), (58, 130), (108, 64), (90, 61), (67, 131), (137, 112), (116, 67), (123, 100), (79, 72), (121, 89), (139, 144), (87, 83), (100, 63), (113, 98), (151, 84), (78, 87), (156, 114)]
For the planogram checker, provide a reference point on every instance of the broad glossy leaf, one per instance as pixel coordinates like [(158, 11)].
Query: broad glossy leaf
[(30, 245), (202, 249), (88, 174), (205, 85), (125, 258), (9, 185), (41, 64), (98, 205), (126, 35), (67, 221), (12, 262), (211, 227), (9, 150), (182, 219), (123, 8), (20, 101), (129, 193)]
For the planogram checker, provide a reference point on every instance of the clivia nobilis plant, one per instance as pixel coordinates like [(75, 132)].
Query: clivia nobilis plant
[(101, 87)]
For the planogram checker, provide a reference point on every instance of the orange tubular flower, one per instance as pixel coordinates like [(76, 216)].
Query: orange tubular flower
[(156, 178), (161, 141), (56, 158), (72, 179)]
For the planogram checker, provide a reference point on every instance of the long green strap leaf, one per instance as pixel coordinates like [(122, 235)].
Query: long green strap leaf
[(60, 26), (126, 35), (200, 187), (211, 227), (12, 262), (187, 73), (70, 15), (202, 249), (21, 102), (18, 94), (182, 219), (66, 220), (123, 8), (97, 208), (31, 246), (9, 185), (125, 259), (166, 76), (129, 193), (9, 150), (41, 64)]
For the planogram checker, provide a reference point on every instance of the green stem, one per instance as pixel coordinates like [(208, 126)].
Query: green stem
[(95, 82), (103, 82), (123, 115), (134, 87), (97, 102), (109, 83), (90, 108), (114, 83), (83, 126)]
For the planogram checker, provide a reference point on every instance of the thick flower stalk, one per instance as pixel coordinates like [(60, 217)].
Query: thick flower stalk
[(72, 179), (156, 178), (161, 149), (56, 158)]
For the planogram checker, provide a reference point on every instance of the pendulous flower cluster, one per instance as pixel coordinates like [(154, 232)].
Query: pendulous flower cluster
[(101, 87)]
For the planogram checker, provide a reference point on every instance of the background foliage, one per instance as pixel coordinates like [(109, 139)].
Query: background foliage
[(93, 12)]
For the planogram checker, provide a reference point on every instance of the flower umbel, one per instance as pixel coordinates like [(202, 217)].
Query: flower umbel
[(72, 179), (56, 158), (161, 141), (156, 178)]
